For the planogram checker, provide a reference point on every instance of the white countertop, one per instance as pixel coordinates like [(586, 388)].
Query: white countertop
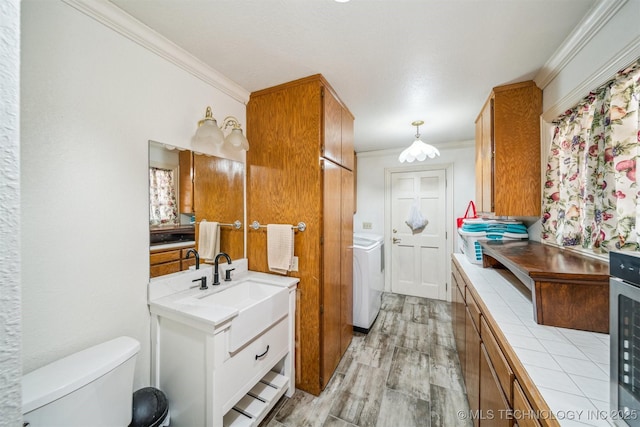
[(167, 293), (175, 245), (569, 367)]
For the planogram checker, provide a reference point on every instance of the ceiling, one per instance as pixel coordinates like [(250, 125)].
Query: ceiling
[(391, 61)]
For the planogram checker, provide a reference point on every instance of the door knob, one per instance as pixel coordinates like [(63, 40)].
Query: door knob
[(396, 240)]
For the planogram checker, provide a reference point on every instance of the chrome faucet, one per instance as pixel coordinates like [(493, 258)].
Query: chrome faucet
[(216, 276), (196, 254)]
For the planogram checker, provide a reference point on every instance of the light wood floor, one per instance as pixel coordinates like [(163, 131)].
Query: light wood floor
[(404, 373)]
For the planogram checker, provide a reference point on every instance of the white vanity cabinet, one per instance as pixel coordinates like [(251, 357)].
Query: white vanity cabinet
[(206, 383)]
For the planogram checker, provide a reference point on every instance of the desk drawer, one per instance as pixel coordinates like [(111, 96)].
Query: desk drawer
[(245, 368)]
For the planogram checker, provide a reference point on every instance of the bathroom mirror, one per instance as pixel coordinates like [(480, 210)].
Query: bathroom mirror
[(184, 189)]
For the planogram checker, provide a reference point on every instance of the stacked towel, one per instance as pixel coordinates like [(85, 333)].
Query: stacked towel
[(279, 247), (208, 240), (494, 229)]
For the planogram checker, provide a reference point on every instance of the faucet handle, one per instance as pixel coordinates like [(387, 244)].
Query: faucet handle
[(227, 274)]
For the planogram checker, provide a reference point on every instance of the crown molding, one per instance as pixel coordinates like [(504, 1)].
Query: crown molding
[(121, 22), (616, 62), (597, 17)]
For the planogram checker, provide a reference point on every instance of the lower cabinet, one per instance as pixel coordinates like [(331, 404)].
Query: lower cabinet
[(522, 408), (472, 369), (496, 397), (495, 410), (167, 261)]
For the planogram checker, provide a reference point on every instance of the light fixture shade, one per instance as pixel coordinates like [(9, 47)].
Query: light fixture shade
[(209, 132), (418, 151), (237, 139)]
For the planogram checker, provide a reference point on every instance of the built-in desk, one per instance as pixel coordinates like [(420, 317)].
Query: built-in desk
[(568, 290)]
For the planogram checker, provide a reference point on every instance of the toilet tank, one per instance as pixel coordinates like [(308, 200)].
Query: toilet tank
[(93, 387)]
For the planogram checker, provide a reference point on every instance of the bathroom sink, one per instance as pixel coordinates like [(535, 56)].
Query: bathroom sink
[(259, 306)]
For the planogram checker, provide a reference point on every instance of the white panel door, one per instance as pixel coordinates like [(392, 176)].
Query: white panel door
[(418, 261)]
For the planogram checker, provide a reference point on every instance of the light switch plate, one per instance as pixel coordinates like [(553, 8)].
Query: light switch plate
[(367, 226), (294, 264)]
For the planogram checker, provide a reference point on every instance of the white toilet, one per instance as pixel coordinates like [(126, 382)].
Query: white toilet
[(93, 387)]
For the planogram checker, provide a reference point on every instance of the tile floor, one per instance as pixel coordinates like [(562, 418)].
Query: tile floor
[(404, 373)]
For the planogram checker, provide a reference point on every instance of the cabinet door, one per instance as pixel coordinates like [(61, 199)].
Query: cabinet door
[(493, 405), (479, 176), (332, 143), (218, 196), (348, 156), (458, 318), (346, 261), (522, 408), (472, 361), (487, 158), (186, 181), (331, 285)]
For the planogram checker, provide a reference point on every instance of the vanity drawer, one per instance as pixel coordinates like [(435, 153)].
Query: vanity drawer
[(236, 375)]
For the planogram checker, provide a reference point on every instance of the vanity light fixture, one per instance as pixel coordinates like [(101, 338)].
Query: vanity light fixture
[(418, 150), (209, 132)]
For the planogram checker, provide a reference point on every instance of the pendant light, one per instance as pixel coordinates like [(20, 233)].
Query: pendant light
[(418, 150)]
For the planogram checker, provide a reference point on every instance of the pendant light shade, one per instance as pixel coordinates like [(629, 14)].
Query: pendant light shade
[(418, 150)]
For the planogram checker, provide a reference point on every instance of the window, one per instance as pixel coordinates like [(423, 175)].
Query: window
[(590, 195)]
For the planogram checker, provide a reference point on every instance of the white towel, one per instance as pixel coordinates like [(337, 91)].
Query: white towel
[(279, 247), (208, 240)]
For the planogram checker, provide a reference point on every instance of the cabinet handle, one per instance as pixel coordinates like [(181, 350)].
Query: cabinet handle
[(396, 240), (258, 356)]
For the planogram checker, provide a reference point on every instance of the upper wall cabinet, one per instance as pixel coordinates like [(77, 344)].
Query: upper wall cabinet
[(338, 131), (508, 151)]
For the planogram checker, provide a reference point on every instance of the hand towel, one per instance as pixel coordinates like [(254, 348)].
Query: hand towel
[(279, 247), (208, 240)]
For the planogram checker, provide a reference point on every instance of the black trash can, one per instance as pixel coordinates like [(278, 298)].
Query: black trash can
[(150, 408)]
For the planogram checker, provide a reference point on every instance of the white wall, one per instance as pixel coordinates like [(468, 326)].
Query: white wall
[(91, 101), (10, 366)]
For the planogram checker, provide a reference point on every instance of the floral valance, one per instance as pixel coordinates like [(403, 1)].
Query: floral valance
[(590, 196)]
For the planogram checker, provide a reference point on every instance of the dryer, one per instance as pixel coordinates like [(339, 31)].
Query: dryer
[(368, 279)]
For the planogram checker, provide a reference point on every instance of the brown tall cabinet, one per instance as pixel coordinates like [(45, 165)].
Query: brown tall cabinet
[(300, 168), (508, 151)]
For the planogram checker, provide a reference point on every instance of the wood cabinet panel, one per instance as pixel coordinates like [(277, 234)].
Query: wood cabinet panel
[(218, 196), (165, 268), (472, 363), (287, 125), (346, 253), (332, 145), (493, 404), (500, 365), (522, 409), (508, 142), (331, 287), (348, 155), (474, 311), (185, 162), (164, 256), (459, 316)]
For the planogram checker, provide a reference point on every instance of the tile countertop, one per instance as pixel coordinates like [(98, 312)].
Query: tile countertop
[(569, 367)]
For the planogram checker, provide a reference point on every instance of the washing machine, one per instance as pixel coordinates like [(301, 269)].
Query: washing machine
[(368, 279)]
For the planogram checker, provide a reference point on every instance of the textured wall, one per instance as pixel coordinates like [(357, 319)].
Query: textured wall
[(10, 367), (91, 101)]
